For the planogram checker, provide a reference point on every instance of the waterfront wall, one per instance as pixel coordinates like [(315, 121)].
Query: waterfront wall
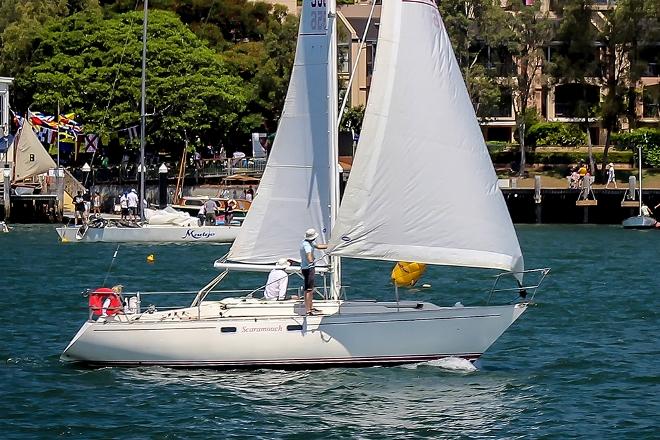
[(556, 205)]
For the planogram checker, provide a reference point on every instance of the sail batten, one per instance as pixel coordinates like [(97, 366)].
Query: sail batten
[(294, 193), (422, 187)]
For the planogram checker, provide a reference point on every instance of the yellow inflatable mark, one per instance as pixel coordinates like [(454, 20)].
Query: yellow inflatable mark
[(151, 258), (406, 274)]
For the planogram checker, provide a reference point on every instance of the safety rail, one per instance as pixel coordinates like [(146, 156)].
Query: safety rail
[(135, 308), (522, 290)]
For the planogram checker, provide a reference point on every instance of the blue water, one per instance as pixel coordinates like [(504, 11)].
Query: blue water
[(583, 363)]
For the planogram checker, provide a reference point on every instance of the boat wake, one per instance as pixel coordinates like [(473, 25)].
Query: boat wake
[(450, 363)]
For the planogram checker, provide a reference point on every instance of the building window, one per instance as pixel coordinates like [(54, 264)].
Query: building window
[(575, 100), (651, 101), (503, 108)]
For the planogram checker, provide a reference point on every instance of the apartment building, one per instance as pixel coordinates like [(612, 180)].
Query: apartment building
[(553, 100)]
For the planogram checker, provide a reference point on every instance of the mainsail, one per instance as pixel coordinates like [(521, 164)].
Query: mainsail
[(294, 193), (422, 187), (28, 155)]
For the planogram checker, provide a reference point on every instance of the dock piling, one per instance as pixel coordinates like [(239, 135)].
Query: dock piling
[(537, 199), (6, 190)]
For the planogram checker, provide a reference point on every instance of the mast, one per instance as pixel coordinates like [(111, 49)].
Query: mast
[(335, 262), (142, 110), (58, 134), (639, 154)]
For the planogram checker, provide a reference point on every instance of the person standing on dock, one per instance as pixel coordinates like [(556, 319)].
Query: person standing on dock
[(133, 200), (79, 206), (123, 204), (610, 175), (96, 202)]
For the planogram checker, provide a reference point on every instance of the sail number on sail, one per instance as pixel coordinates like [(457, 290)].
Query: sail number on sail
[(318, 18)]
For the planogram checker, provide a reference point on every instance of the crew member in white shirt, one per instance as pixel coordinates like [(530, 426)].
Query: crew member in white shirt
[(132, 204), (278, 280)]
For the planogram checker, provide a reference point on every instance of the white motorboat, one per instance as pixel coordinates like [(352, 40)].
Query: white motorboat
[(418, 107), (162, 226)]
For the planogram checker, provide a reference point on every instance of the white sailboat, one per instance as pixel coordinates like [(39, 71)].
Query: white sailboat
[(178, 230), (418, 108), (28, 157)]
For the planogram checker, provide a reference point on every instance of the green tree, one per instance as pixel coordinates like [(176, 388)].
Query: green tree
[(620, 32), (92, 66), (466, 22), (576, 61), (525, 31)]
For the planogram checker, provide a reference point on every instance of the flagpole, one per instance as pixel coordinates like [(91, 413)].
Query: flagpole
[(58, 134), (142, 109)]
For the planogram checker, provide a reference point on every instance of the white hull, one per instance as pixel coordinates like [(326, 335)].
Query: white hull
[(276, 334), (152, 234)]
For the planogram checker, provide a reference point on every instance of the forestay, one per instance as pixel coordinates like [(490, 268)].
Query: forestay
[(294, 193), (28, 155), (422, 187)]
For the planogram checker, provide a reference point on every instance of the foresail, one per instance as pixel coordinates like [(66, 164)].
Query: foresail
[(29, 157), (422, 187), (294, 192)]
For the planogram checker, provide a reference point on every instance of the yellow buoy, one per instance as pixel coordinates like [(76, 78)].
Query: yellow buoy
[(406, 274), (151, 258), (65, 240)]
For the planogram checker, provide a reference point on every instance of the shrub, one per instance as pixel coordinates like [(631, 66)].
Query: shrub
[(647, 138), (497, 146), (556, 134)]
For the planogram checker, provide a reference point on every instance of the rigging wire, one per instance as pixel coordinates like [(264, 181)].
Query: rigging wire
[(114, 256), (355, 66)]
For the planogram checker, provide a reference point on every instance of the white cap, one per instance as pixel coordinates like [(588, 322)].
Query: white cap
[(283, 262), (311, 234)]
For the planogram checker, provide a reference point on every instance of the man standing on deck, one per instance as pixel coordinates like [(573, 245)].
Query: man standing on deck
[(307, 266), (210, 207), (133, 199)]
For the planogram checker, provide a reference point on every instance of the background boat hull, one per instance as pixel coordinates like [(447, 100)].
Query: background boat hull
[(153, 234)]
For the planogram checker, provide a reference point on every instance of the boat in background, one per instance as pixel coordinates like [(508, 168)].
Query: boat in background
[(469, 226), (642, 220), (163, 226)]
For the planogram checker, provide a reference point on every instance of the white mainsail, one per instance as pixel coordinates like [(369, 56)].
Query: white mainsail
[(422, 187), (294, 193), (28, 155)]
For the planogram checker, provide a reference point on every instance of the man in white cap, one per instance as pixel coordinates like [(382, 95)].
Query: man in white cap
[(278, 280), (132, 199), (307, 266)]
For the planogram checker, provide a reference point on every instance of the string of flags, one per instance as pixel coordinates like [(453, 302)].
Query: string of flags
[(71, 133)]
